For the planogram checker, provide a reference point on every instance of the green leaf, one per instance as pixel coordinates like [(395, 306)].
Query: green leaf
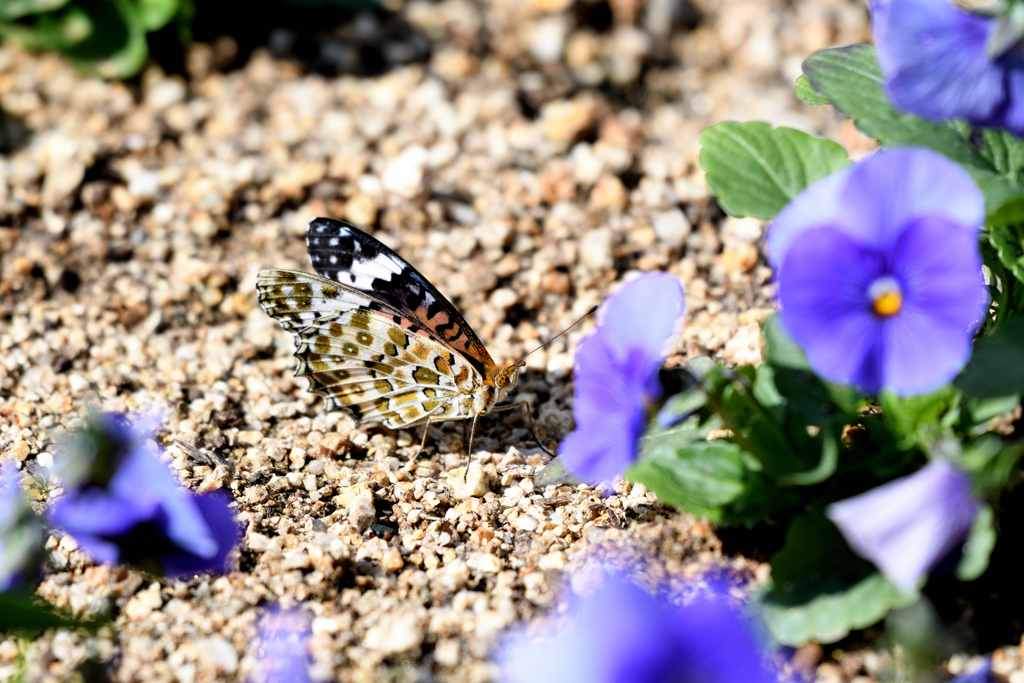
[(127, 59), (698, 478), (991, 461), (796, 380), (155, 14), (1003, 150), (911, 417), (15, 9), (701, 478), (755, 170), (825, 468), (107, 37), (982, 410), (997, 366), (819, 590), (852, 81), (23, 611), (780, 349), (1008, 243), (979, 545), (806, 93)]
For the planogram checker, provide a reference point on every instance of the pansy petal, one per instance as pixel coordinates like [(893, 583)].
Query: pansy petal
[(929, 342), (934, 57), (10, 495), (717, 643), (816, 206), (1011, 114), (905, 527), (892, 188), (822, 292), (282, 646), (92, 511), (223, 529), (609, 411), (622, 634), (144, 479), (645, 313)]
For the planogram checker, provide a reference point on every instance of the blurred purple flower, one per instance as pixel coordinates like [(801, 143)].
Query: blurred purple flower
[(123, 505), (20, 534), (982, 674), (621, 634), (282, 646), (616, 375), (937, 65), (879, 271), (907, 526)]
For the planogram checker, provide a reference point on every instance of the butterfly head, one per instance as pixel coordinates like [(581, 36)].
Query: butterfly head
[(505, 380)]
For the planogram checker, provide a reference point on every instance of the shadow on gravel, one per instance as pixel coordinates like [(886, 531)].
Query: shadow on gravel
[(326, 39), (14, 134)]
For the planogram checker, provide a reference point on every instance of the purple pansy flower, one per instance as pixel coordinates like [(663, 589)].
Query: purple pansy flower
[(616, 375), (907, 526), (981, 674), (879, 271), (282, 646), (936, 61), (125, 506), (20, 535), (621, 634)]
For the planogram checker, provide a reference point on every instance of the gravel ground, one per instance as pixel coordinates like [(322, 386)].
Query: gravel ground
[(538, 154)]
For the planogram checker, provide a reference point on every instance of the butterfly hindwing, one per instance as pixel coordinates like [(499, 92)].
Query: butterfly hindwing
[(345, 254), (362, 355), (296, 299)]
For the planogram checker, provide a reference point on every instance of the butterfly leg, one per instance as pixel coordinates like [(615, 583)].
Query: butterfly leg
[(423, 444), (469, 448), (423, 441), (529, 415)]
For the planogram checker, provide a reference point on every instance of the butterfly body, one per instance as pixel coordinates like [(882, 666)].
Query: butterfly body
[(376, 339)]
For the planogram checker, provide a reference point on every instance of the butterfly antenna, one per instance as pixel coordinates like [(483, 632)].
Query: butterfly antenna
[(592, 309)]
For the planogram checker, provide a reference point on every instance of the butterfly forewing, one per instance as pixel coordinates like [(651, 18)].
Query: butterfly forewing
[(345, 254), (362, 355)]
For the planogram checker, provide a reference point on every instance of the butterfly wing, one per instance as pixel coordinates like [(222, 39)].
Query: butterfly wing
[(344, 253), (363, 356)]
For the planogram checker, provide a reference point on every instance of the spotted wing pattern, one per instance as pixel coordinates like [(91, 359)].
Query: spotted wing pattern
[(345, 254), (365, 357)]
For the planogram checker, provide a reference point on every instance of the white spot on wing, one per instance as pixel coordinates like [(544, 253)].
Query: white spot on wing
[(380, 267)]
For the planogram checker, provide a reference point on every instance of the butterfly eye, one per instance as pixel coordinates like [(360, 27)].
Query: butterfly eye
[(501, 380)]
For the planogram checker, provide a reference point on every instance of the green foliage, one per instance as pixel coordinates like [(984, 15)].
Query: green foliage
[(819, 590), (797, 443), (996, 368), (106, 37), (978, 548), (792, 443), (755, 170), (24, 612), (805, 93)]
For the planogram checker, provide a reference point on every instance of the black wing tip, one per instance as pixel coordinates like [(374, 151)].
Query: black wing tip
[(324, 225)]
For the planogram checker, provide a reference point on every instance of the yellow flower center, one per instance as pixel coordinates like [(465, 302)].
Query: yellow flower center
[(886, 297)]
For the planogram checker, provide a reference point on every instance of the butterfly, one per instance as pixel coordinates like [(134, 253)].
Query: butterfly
[(377, 340)]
